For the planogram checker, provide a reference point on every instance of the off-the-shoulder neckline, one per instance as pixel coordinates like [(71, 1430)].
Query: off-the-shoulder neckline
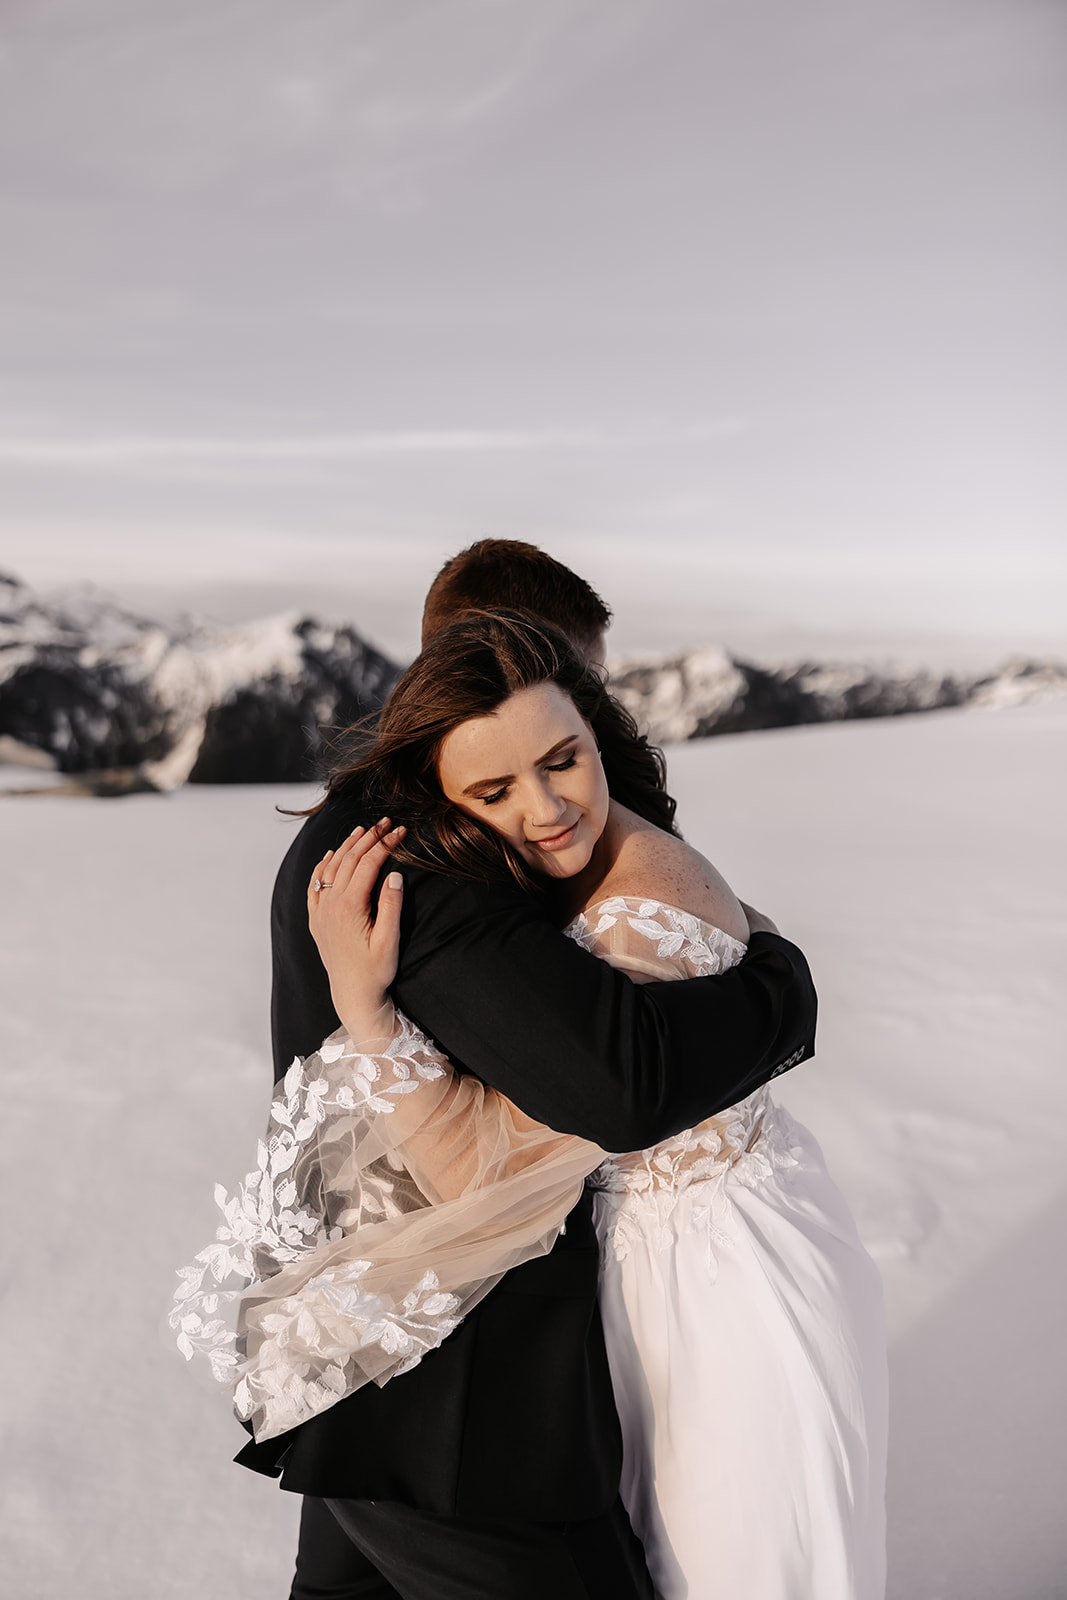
[(639, 900)]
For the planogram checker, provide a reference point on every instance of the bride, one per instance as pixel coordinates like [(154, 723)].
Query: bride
[(742, 1316)]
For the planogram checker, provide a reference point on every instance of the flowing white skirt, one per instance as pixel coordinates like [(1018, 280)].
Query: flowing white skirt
[(745, 1332)]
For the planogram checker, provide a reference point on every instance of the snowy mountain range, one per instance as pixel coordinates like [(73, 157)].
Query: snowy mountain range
[(119, 703)]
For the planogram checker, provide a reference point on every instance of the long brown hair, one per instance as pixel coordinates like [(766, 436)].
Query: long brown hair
[(468, 670)]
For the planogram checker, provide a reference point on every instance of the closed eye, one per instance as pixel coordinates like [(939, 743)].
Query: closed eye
[(498, 794)]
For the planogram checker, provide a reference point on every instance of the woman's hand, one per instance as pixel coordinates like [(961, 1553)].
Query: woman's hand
[(359, 951)]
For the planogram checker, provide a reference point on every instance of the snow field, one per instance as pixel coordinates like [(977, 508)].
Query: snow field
[(920, 864)]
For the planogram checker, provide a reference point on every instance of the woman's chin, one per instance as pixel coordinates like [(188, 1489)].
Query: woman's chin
[(561, 864)]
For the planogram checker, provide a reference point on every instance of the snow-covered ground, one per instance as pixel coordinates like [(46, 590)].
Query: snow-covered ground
[(919, 862)]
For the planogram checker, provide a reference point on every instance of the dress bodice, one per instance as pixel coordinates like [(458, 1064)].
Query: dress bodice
[(662, 943)]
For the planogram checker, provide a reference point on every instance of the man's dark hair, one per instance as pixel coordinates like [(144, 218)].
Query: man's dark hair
[(507, 574)]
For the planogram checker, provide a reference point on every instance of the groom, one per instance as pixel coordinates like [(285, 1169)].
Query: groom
[(491, 1471)]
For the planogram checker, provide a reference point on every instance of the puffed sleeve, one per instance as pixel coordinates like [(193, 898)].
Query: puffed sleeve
[(390, 1195)]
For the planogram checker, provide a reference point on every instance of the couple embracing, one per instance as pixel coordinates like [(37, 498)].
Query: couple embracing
[(537, 1291)]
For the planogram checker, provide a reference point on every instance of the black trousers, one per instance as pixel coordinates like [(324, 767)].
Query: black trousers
[(381, 1550)]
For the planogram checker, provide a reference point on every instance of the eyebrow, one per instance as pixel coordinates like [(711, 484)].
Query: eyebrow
[(508, 777)]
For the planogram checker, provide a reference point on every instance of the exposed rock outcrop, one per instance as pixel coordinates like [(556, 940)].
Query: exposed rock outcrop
[(130, 704), (707, 692), (115, 703)]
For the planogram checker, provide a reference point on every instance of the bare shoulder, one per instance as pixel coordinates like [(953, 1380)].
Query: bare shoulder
[(654, 865)]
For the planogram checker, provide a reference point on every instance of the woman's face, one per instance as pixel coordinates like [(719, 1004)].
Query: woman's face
[(532, 771)]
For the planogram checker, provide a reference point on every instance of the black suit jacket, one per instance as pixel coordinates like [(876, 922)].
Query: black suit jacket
[(514, 1414)]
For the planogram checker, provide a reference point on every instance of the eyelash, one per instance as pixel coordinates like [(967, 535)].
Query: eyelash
[(562, 766)]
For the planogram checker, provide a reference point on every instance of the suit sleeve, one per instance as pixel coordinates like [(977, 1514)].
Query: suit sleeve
[(574, 1042), (302, 1013), (568, 1038)]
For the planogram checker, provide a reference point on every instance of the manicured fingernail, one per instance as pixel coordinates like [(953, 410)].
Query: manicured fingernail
[(394, 881), (327, 856), (356, 831)]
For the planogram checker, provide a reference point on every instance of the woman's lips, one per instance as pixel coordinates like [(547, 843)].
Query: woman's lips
[(559, 841)]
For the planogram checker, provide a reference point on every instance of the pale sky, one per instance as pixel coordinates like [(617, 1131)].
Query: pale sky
[(744, 307)]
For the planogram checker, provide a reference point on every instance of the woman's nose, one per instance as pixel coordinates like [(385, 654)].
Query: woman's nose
[(545, 806)]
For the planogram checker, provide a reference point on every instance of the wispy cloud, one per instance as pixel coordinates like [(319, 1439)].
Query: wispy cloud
[(184, 95), (141, 452)]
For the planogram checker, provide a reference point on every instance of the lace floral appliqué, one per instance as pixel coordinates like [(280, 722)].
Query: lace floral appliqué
[(748, 1142), (391, 1193), (276, 1217)]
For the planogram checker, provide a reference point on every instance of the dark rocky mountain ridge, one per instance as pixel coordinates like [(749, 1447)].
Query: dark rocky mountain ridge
[(139, 706), (707, 692), (119, 703)]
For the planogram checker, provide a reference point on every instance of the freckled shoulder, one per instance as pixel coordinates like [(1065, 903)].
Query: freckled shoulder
[(657, 866)]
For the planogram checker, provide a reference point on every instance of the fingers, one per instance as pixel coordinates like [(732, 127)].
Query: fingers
[(318, 877), (356, 863), (386, 936), (360, 844), (363, 858), (344, 852)]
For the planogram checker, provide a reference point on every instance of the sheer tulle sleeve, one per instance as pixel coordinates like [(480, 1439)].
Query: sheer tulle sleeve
[(389, 1196), (651, 940)]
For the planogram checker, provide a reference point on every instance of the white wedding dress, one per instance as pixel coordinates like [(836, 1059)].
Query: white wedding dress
[(743, 1317), (744, 1327)]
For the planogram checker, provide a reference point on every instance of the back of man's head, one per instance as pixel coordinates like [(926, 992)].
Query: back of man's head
[(506, 573)]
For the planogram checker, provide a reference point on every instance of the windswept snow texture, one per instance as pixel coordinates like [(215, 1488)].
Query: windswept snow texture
[(918, 861)]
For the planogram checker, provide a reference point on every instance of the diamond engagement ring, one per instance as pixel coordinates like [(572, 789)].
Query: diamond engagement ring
[(319, 884)]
